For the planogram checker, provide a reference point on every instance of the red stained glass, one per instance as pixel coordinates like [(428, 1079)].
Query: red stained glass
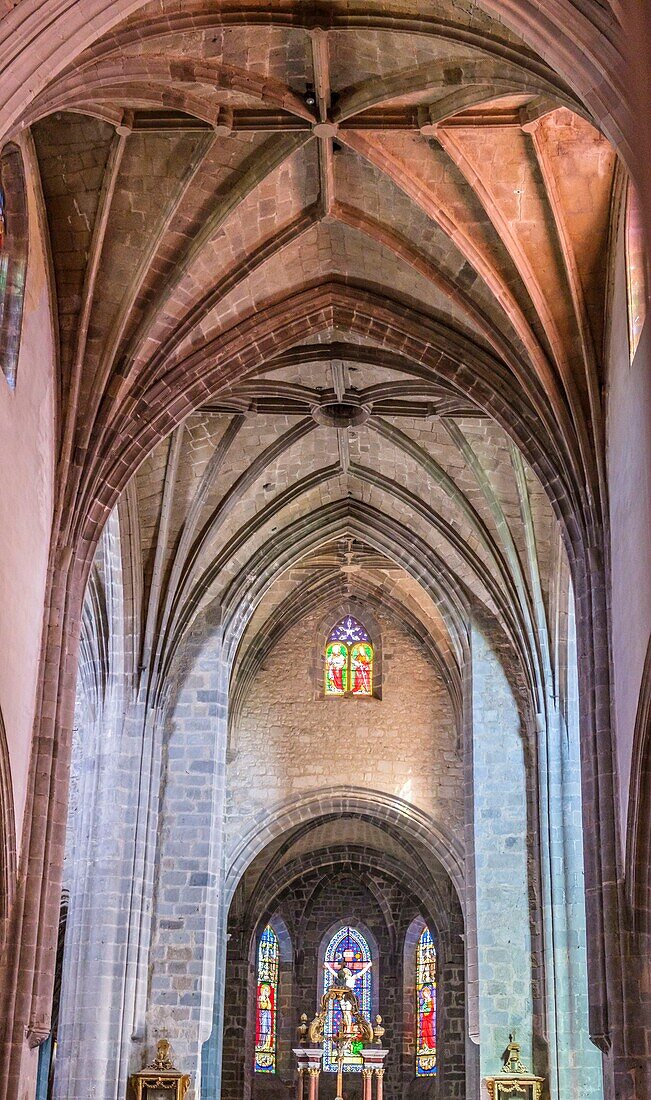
[(266, 998), (426, 1005), (348, 663)]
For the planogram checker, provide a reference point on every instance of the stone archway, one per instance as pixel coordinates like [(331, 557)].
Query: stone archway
[(354, 883)]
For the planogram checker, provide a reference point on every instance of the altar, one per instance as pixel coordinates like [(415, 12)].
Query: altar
[(356, 1045)]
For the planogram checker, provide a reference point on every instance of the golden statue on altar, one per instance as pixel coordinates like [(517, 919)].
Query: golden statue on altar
[(355, 1030), (514, 1081), (354, 1023), (342, 1028), (160, 1074)]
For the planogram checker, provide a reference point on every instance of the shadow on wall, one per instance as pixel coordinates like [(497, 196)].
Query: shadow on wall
[(267, 1086), (422, 1088), (7, 835)]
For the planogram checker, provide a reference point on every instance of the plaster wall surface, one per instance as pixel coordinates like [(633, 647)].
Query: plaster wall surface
[(291, 740), (629, 463), (27, 439)]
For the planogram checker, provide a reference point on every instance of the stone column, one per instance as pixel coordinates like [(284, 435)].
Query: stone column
[(367, 1083), (314, 1072), (503, 870), (574, 1063), (300, 1083), (308, 1061), (373, 1065), (185, 925), (109, 870)]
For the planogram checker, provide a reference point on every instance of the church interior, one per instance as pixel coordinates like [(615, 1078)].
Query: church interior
[(325, 569)]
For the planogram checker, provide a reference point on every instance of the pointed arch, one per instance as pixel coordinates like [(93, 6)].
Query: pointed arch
[(347, 958)]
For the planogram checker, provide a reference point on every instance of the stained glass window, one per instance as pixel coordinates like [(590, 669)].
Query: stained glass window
[(13, 256), (426, 1005), (265, 1006), (348, 659), (347, 959), (636, 276)]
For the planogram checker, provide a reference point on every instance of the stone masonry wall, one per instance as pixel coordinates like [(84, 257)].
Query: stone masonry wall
[(290, 741), (185, 933), (504, 926), (308, 912)]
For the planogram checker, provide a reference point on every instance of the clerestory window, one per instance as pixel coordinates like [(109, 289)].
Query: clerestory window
[(348, 659)]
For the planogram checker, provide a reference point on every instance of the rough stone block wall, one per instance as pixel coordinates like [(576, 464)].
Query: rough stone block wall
[(502, 871), (290, 740), (186, 902), (578, 1063), (310, 911)]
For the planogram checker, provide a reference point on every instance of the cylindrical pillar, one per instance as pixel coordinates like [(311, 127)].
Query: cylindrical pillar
[(379, 1074), (314, 1083), (299, 1083), (367, 1084)]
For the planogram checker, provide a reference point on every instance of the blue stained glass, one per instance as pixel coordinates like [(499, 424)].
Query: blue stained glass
[(266, 997), (348, 664), (349, 630), (347, 950), (426, 1052)]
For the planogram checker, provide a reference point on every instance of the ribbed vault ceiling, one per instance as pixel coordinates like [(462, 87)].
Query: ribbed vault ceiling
[(390, 222)]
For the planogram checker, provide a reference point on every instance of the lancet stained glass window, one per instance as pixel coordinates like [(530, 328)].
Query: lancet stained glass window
[(636, 275), (265, 1005), (348, 665), (426, 1005), (347, 958), (13, 257)]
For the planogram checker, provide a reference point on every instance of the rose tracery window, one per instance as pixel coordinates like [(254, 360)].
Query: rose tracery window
[(348, 667)]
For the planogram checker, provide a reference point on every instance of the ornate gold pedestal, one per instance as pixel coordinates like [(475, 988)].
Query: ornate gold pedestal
[(514, 1081), (356, 1032), (161, 1074)]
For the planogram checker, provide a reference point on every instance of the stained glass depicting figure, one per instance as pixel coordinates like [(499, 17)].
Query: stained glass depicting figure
[(348, 664), (361, 668), (266, 996), (348, 964), (336, 668), (426, 1004)]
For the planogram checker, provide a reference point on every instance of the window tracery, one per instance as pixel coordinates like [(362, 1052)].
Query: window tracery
[(347, 959), (348, 666), (266, 1002), (426, 1062)]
